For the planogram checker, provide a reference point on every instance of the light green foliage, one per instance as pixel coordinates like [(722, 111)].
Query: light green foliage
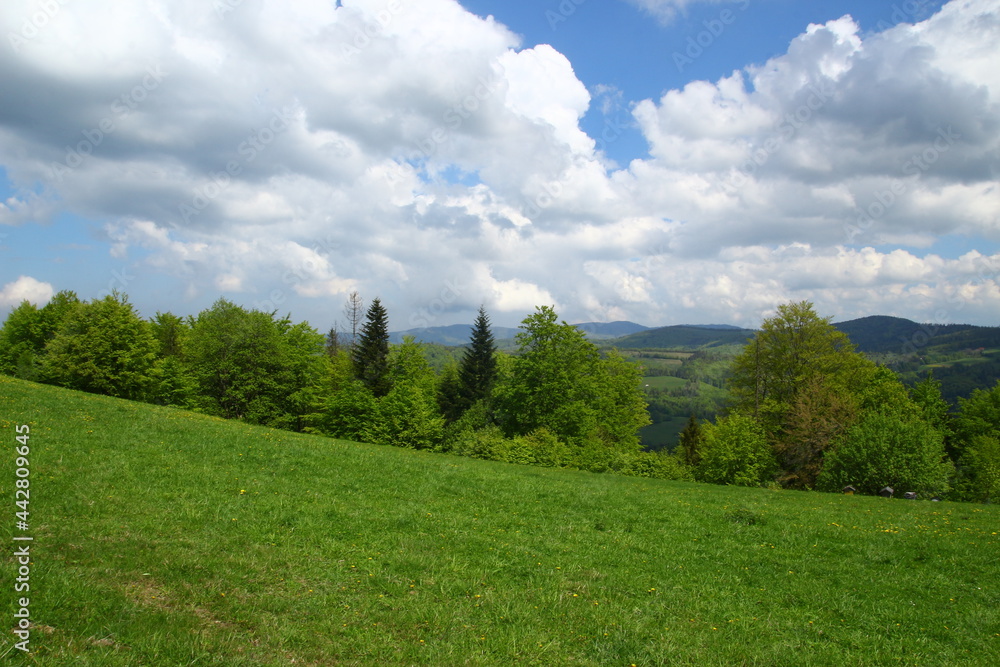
[(342, 406), (559, 381), (886, 449), (102, 347), (977, 445), (28, 330), (408, 415), (250, 366), (735, 451), (172, 383), (170, 538), (21, 342), (934, 410), (171, 332), (791, 347)]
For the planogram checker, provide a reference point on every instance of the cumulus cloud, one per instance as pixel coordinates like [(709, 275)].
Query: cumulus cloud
[(285, 156), (25, 288)]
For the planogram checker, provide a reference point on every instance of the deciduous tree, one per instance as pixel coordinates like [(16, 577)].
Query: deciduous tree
[(103, 347)]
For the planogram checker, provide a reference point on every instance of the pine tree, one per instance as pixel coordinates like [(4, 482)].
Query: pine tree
[(371, 353), (690, 442), (479, 367)]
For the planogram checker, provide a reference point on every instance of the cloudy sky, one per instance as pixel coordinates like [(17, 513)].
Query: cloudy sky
[(661, 161)]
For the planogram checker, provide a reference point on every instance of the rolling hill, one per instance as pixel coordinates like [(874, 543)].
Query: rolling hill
[(883, 334), (164, 537), (685, 337)]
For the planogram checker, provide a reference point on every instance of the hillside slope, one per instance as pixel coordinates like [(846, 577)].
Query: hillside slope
[(163, 537), (685, 337)]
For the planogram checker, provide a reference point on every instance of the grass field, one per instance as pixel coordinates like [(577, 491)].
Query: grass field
[(667, 382), (167, 538)]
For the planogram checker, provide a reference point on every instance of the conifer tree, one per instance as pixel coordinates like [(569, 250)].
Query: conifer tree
[(479, 367), (690, 442), (371, 353)]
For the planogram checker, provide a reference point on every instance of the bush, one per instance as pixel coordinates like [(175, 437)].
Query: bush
[(887, 450), (735, 451)]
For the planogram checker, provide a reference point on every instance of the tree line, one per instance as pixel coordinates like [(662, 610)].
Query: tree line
[(556, 401), (807, 410)]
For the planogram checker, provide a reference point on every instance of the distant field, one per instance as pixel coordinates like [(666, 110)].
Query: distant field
[(162, 537), (667, 382)]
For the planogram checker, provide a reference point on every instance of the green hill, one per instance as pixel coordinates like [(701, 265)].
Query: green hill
[(883, 334), (684, 337), (162, 537)]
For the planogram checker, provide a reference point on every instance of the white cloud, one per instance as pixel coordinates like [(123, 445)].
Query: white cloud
[(287, 155), (25, 288)]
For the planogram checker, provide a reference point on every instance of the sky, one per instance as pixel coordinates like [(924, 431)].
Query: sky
[(659, 161)]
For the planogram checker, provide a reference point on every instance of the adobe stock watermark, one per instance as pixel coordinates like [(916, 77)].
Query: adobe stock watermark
[(120, 109), (35, 23), (818, 95), (457, 114), (905, 12), (371, 30), (22, 556), (883, 200), (439, 305), (562, 12), (714, 28), (248, 150), (299, 274), (223, 7)]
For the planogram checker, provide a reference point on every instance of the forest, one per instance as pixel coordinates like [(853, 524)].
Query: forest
[(804, 409)]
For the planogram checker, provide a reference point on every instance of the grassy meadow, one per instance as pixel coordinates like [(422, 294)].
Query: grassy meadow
[(163, 537)]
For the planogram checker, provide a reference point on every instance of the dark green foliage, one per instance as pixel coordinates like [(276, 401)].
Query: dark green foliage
[(686, 337), (449, 394), (102, 347), (370, 353), (690, 443), (478, 371)]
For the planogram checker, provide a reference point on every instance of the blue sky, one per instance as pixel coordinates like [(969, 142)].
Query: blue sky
[(662, 161)]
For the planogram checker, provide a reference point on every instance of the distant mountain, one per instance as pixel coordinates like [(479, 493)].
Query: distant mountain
[(686, 336), (598, 330), (879, 334), (458, 334), (453, 334)]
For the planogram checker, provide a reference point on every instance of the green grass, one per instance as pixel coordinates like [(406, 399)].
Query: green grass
[(166, 538), (667, 382)]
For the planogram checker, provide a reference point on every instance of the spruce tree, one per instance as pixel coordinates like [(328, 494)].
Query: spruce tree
[(479, 366), (690, 442), (371, 353)]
